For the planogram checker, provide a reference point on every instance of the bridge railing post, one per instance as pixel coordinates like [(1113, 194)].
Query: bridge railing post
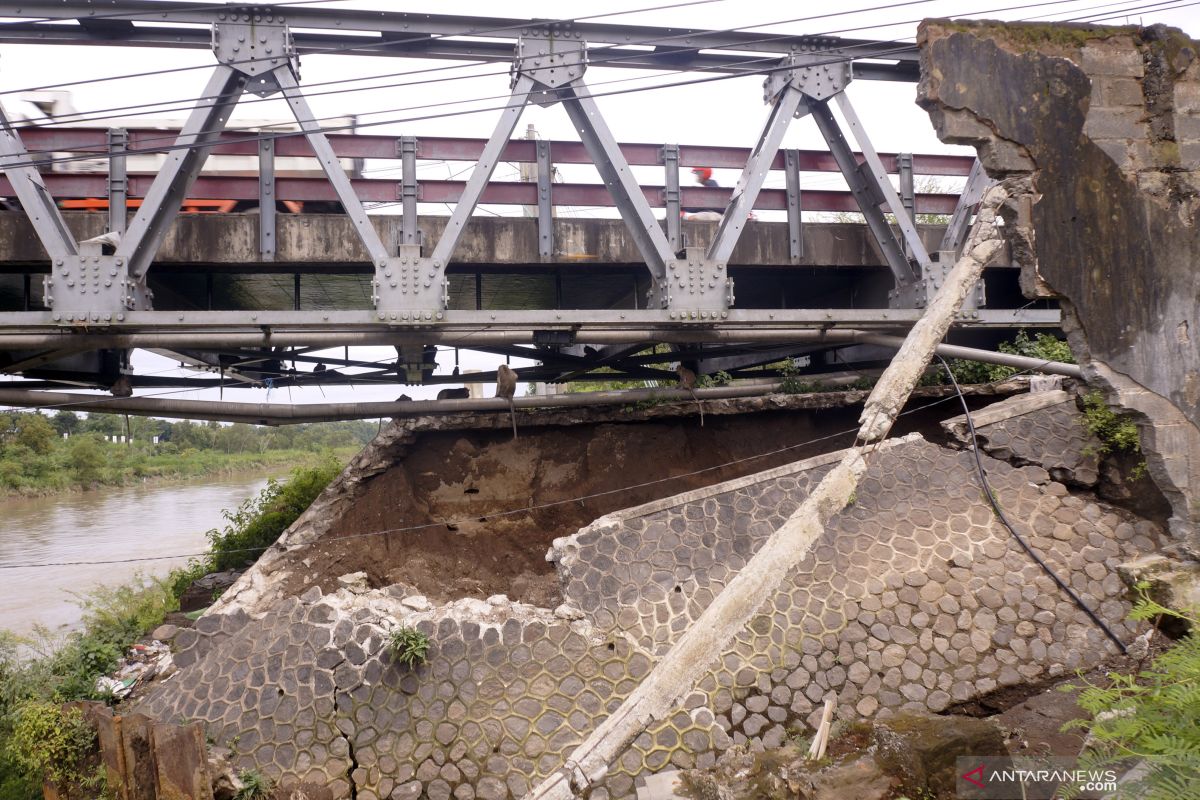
[(266, 199), (410, 191), (118, 189), (545, 173), (908, 198), (671, 196), (791, 174)]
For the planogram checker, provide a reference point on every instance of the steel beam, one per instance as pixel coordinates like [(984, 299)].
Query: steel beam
[(175, 178), (978, 182), (330, 164), (92, 142), (873, 170), (410, 233), (749, 183), (630, 200), (671, 196), (880, 230), (545, 204), (30, 189), (795, 214), (398, 29), (266, 199), (118, 186)]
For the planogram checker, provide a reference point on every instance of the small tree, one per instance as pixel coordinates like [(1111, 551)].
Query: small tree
[(87, 459), (35, 432), (66, 422)]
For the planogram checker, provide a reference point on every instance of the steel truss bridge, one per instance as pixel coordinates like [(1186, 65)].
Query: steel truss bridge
[(78, 291)]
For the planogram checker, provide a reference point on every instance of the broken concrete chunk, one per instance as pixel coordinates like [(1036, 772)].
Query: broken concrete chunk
[(355, 582), (568, 611), (165, 633), (1173, 583), (417, 602)]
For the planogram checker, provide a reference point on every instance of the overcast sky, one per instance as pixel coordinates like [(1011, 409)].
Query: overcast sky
[(727, 112)]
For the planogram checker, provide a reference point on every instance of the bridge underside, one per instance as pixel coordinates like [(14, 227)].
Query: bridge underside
[(220, 305)]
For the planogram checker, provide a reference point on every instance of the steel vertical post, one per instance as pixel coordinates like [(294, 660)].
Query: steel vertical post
[(266, 199), (672, 197), (409, 191), (545, 172), (118, 188), (791, 174)]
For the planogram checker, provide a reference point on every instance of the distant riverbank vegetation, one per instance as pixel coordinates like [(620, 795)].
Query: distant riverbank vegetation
[(41, 454), (40, 740)]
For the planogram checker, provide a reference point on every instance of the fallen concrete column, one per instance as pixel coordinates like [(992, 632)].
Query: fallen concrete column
[(680, 669)]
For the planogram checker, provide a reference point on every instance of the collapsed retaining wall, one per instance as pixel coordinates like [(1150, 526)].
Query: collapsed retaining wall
[(1105, 122), (915, 597)]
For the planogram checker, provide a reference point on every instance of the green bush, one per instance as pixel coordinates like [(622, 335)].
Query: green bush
[(1043, 346), (1114, 432), (1152, 715), (258, 521), (52, 744), (408, 646)]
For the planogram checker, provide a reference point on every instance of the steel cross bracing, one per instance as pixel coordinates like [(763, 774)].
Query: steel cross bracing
[(98, 295)]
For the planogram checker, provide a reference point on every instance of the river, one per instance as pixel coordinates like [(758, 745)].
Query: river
[(107, 524)]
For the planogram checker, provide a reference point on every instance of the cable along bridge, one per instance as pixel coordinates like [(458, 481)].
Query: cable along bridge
[(263, 295)]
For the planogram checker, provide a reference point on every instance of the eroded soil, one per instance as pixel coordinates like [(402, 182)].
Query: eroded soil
[(472, 513)]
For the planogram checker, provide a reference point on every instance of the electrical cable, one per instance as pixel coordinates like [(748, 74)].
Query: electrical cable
[(87, 116), (73, 120), (1000, 515), (903, 47), (366, 45), (510, 512)]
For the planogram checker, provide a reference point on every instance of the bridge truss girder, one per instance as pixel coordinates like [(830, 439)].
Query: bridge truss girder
[(97, 290)]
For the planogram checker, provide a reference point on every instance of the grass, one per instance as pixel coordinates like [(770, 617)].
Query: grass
[(40, 673), (255, 786), (408, 646)]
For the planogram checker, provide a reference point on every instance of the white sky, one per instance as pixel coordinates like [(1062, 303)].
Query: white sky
[(727, 112)]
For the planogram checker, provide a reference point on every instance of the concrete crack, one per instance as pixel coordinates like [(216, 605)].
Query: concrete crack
[(352, 768)]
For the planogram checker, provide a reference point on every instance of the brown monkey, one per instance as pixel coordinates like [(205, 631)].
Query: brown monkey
[(687, 380), (454, 394), (506, 387)]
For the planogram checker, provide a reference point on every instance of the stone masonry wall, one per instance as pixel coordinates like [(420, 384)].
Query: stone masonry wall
[(914, 598), (1105, 124)]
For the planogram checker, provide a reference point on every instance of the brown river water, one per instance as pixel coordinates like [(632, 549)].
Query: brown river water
[(103, 525)]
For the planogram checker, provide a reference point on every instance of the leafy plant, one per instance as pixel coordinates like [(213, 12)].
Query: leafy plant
[(255, 785), (258, 521), (1151, 715), (791, 382), (52, 744), (1043, 347), (1114, 432), (408, 646), (721, 378)]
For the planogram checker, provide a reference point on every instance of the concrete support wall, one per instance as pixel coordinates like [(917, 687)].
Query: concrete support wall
[(330, 239)]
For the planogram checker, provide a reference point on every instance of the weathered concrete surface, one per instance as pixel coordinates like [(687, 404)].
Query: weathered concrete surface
[(1105, 122), (913, 599), (1045, 429), (328, 239)]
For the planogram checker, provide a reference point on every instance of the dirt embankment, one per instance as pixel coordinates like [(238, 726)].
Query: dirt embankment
[(471, 513)]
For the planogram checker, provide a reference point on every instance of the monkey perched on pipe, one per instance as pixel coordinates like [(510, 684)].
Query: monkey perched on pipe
[(506, 387), (687, 380)]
